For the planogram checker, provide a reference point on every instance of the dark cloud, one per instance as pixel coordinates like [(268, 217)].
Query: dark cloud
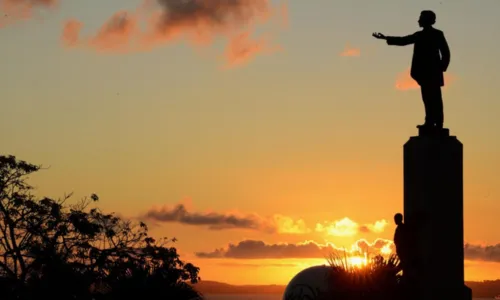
[(268, 224), (489, 253), (198, 21), (253, 249), (255, 265), (221, 221), (219, 14), (214, 221)]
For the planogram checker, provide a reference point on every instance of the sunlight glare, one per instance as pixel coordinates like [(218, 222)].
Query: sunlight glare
[(386, 250), (357, 261)]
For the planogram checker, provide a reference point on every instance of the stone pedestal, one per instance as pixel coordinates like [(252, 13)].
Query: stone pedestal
[(433, 211)]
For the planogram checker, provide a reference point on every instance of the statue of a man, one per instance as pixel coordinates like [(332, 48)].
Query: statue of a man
[(431, 57), (401, 240)]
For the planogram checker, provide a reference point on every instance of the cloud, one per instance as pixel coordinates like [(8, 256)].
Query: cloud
[(288, 225), (199, 22), (257, 265), (347, 227), (214, 221), (16, 10), (116, 35), (404, 81), (242, 48), (253, 249), (283, 14), (71, 32), (490, 253), (350, 51), (377, 227), (223, 221), (276, 223)]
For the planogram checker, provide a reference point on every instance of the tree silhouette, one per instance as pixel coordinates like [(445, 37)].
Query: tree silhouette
[(75, 251)]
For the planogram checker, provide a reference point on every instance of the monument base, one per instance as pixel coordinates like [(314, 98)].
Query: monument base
[(467, 293), (433, 213), (463, 293), (433, 131)]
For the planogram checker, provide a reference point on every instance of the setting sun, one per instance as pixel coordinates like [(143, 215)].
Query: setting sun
[(386, 250), (357, 261)]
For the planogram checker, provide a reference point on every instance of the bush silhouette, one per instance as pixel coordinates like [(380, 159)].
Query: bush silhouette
[(379, 278), (50, 248)]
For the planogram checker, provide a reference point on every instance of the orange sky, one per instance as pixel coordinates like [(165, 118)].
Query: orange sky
[(262, 134)]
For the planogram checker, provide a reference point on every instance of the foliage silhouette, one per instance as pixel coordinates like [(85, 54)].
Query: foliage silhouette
[(49, 248), (379, 278)]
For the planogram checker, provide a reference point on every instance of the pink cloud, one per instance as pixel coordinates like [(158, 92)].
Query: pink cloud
[(241, 49), (350, 51), (198, 22), (16, 10), (404, 81), (226, 220)]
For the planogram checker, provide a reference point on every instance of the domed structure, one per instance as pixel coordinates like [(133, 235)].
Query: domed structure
[(308, 283)]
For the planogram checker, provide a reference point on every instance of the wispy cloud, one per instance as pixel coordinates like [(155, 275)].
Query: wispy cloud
[(288, 225), (119, 34), (256, 265), (242, 48), (350, 51), (16, 10), (404, 81), (489, 253), (199, 22), (276, 223), (283, 14), (377, 227), (347, 227), (254, 249), (223, 221)]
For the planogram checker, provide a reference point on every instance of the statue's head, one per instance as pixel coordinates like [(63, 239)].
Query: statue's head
[(398, 219), (427, 18)]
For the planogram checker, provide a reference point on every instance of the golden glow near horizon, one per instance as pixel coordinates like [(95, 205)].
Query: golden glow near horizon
[(386, 250), (347, 227), (358, 261), (357, 257), (362, 260)]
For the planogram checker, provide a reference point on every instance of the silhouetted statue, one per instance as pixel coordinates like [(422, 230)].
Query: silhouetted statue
[(431, 57), (404, 242), (401, 240)]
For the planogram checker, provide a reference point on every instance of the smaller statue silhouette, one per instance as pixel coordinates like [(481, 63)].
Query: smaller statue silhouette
[(431, 57), (401, 240)]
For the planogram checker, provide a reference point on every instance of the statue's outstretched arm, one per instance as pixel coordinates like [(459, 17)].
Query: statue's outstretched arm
[(445, 52), (401, 40)]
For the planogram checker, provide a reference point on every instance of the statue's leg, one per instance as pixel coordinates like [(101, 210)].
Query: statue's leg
[(439, 107), (434, 101), (426, 92)]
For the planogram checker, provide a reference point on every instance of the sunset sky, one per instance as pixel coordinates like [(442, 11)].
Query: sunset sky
[(259, 134)]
